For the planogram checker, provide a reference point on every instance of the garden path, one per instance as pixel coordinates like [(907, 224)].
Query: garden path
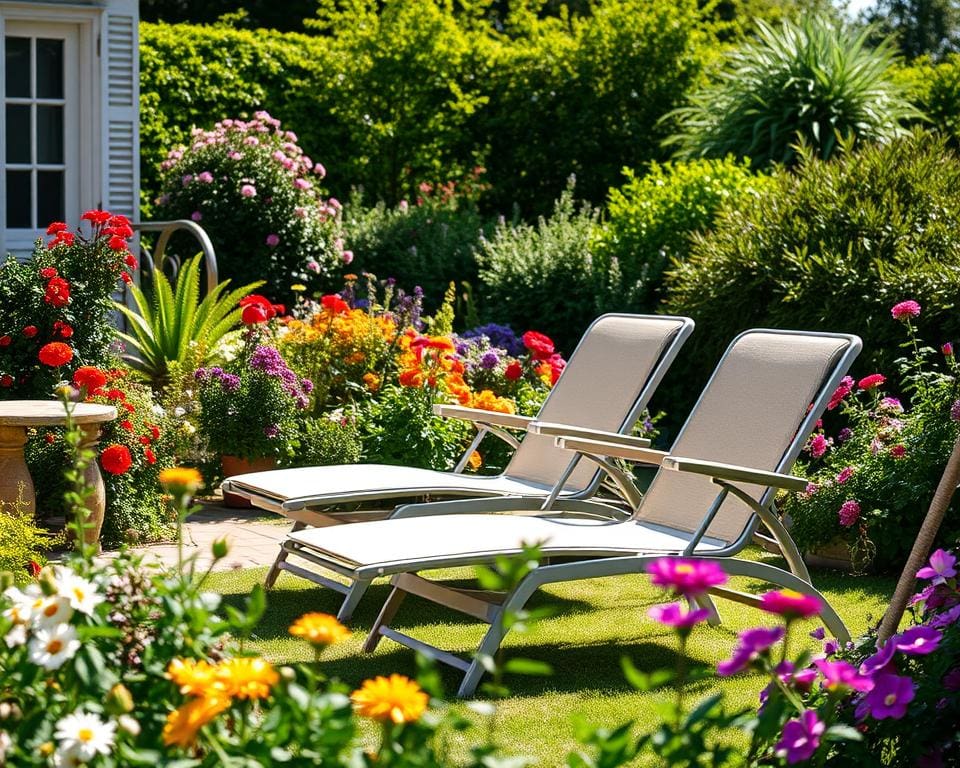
[(253, 535)]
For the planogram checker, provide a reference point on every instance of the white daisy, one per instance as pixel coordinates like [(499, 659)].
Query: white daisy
[(17, 635), (21, 608), (82, 594), (6, 744), (84, 735), (51, 611), (50, 648)]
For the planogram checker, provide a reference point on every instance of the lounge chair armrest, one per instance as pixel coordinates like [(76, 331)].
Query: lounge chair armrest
[(509, 420), (553, 429), (733, 473), (639, 453)]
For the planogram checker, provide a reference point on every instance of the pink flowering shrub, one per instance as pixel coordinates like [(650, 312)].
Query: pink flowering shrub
[(258, 196), (875, 461)]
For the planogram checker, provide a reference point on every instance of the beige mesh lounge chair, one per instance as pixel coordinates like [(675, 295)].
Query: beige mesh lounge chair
[(708, 495), (606, 384)]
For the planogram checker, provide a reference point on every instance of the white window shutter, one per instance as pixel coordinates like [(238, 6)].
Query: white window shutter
[(121, 74)]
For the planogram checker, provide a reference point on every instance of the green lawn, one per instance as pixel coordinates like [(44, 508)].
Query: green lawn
[(597, 623)]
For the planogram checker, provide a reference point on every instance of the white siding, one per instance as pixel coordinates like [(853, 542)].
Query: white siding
[(119, 52)]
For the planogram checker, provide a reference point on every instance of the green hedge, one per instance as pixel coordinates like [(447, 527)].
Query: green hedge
[(393, 94), (935, 90)]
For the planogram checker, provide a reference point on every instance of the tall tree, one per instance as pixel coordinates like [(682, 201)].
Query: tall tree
[(920, 27)]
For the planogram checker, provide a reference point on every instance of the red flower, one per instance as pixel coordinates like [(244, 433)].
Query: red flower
[(6, 380), (64, 238), (48, 272), (63, 329), (145, 440), (56, 227), (127, 425), (256, 300), (30, 331), (95, 217), (55, 354), (89, 378), (871, 381), (116, 394), (150, 456), (254, 314), (540, 346), (898, 451), (5, 340), (127, 407), (50, 437), (58, 292), (117, 243), (514, 371), (154, 431), (130, 260), (116, 459), (125, 276), (334, 303), (33, 568)]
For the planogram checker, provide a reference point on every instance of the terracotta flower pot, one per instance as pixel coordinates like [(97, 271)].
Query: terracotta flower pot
[(234, 465)]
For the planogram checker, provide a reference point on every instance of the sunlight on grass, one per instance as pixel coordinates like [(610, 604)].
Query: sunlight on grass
[(596, 623)]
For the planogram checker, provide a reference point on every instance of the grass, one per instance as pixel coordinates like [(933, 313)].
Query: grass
[(596, 624)]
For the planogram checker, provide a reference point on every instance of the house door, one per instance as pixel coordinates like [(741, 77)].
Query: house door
[(40, 129)]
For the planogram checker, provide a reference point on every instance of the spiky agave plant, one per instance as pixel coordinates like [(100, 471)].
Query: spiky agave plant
[(175, 326), (811, 82)]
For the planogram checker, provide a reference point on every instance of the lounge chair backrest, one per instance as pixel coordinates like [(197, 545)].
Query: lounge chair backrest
[(608, 381), (756, 412)]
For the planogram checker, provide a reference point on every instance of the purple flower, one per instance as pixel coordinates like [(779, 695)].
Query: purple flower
[(273, 240), (686, 577), (196, 216), (501, 336), (888, 698), (940, 568), (268, 360), (917, 641), (490, 360), (880, 660), (201, 374), (801, 737), (955, 411), (271, 430), (849, 513), (891, 404), (306, 385), (674, 615), (844, 434), (818, 634), (230, 382), (830, 647), (842, 676), (751, 644), (790, 604), (946, 618)]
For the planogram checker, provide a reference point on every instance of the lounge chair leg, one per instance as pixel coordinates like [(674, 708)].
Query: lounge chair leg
[(487, 648), (356, 591), (387, 612), (275, 569), (705, 601)]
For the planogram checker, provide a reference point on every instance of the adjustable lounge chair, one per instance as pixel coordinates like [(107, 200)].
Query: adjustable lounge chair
[(606, 384), (708, 495)]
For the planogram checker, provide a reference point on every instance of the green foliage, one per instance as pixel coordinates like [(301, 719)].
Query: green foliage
[(22, 542), (584, 95), (543, 276), (429, 244), (650, 220), (399, 427), (176, 327), (324, 440), (832, 247), (935, 89), (920, 27), (809, 82)]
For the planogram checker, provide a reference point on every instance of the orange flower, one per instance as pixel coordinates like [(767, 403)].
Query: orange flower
[(371, 381), (411, 377), (475, 461), (487, 401), (395, 698), (195, 678), (319, 629), (183, 723), (247, 678)]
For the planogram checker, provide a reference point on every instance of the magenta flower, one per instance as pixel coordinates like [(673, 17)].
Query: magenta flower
[(347, 257), (849, 512), (790, 604), (872, 381), (898, 451), (917, 641), (891, 404), (750, 646), (955, 411), (940, 568), (248, 190), (273, 240), (880, 661), (676, 616), (845, 474), (686, 577), (801, 737), (206, 177), (196, 216), (905, 310), (842, 676), (947, 349), (889, 697), (817, 446), (946, 618)]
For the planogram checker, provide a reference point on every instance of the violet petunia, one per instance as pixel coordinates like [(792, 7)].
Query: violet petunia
[(840, 675), (940, 567), (889, 697), (801, 737), (917, 641), (751, 644)]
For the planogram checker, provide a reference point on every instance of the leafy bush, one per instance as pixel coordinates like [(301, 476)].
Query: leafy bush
[(831, 248), (256, 194), (430, 244), (935, 89), (22, 542), (650, 220), (811, 82), (874, 478), (324, 440), (543, 276)]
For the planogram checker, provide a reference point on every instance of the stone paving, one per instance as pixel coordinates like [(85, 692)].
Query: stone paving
[(254, 537)]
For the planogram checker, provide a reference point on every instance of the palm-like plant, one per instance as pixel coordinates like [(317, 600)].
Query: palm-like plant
[(175, 327), (811, 83)]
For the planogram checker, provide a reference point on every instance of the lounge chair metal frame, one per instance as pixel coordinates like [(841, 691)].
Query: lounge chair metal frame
[(492, 608)]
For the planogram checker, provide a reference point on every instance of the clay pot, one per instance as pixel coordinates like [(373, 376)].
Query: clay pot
[(234, 465)]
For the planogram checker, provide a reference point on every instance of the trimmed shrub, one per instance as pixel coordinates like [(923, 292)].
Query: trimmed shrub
[(650, 220), (832, 248), (935, 89), (543, 276), (810, 82)]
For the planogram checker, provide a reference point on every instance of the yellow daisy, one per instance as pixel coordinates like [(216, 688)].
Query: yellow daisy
[(395, 698), (319, 629)]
